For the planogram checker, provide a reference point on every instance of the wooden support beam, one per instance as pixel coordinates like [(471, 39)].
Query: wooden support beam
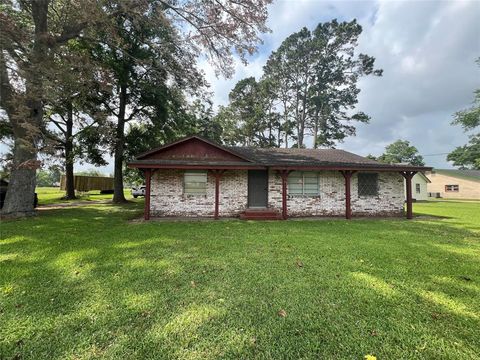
[(148, 181), (408, 175), (347, 175), (218, 175), (284, 175)]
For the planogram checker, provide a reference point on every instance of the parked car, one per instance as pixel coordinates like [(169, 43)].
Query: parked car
[(3, 193), (138, 191)]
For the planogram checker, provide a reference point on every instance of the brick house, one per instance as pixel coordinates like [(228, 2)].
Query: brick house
[(194, 177)]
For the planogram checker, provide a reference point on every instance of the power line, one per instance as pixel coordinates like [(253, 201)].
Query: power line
[(436, 154)]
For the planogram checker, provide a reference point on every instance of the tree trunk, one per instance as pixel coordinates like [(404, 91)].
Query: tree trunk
[(26, 120), (315, 133), (19, 200), (69, 157), (118, 196)]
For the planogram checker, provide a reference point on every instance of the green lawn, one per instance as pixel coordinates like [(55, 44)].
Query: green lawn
[(53, 195), (86, 283)]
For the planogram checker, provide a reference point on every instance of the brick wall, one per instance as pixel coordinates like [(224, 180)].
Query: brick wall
[(331, 201), (167, 198)]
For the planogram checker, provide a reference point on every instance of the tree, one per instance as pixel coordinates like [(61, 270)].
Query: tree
[(469, 118), (159, 55), (401, 152), (246, 104), (32, 33), (467, 156), (314, 75), (74, 118)]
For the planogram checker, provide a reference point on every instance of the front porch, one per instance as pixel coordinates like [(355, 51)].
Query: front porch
[(242, 193)]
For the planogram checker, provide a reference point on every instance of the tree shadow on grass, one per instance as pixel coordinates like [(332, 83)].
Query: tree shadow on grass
[(214, 289)]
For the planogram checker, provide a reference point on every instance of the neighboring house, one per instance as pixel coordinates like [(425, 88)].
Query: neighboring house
[(454, 184), (419, 187), (198, 178)]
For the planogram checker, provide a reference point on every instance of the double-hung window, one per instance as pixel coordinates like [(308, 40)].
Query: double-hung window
[(417, 188), (195, 182), (303, 183)]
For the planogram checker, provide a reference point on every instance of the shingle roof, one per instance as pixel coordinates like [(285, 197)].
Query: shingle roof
[(473, 175), (304, 157), (293, 158)]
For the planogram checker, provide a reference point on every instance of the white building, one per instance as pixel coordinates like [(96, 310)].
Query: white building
[(419, 187)]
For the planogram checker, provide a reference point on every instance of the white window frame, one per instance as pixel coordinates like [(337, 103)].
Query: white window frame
[(201, 186), (418, 188), (301, 175)]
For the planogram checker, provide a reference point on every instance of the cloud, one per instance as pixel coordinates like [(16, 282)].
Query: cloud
[(427, 50)]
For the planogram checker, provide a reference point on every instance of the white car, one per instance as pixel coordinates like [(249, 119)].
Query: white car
[(138, 191)]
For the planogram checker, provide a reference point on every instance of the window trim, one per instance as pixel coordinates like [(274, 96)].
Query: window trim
[(302, 176), (418, 188), (196, 172), (377, 189)]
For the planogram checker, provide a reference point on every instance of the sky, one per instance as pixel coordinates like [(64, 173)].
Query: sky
[(427, 50)]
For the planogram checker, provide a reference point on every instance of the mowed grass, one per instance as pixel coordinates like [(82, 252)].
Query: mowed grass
[(87, 283), (53, 195)]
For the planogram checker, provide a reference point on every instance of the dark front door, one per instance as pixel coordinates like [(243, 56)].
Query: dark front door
[(257, 188)]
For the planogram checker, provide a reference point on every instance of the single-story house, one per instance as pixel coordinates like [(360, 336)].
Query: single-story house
[(419, 187), (199, 178), (454, 184)]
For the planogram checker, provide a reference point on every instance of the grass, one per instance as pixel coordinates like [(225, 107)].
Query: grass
[(53, 195), (87, 283)]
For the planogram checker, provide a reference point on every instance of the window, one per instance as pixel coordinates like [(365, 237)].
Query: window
[(417, 188), (195, 182), (367, 184), (452, 188), (303, 183)]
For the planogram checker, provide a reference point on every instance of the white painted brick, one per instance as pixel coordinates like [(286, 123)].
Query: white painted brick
[(167, 198)]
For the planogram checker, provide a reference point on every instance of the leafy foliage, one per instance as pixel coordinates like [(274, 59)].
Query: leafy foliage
[(401, 152), (467, 156), (309, 87)]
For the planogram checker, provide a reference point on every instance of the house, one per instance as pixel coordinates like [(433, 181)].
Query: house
[(454, 184), (419, 187), (199, 178)]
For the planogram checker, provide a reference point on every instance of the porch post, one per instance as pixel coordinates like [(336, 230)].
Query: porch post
[(347, 174), (408, 175), (218, 175), (284, 176), (148, 178)]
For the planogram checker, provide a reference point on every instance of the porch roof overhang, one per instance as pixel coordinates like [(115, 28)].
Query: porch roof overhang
[(232, 165)]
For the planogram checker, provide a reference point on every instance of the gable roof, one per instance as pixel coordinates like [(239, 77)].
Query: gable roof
[(472, 175), (423, 176), (251, 157), (187, 139)]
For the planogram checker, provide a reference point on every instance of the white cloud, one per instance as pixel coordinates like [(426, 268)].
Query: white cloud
[(427, 50)]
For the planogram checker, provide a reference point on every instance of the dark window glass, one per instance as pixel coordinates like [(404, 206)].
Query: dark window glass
[(417, 188), (367, 184)]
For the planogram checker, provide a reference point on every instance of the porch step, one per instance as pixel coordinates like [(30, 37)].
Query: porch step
[(260, 214)]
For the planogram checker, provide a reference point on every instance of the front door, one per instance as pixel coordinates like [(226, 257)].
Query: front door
[(257, 188)]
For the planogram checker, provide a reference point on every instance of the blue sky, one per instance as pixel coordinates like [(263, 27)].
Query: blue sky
[(427, 50)]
